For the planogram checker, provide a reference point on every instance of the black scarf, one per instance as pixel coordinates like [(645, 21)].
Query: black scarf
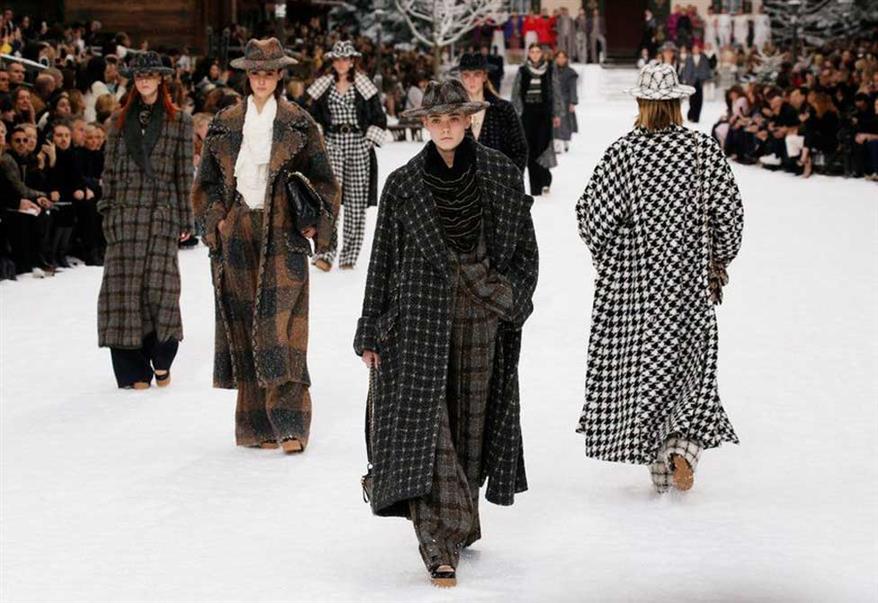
[(456, 193), (143, 125)]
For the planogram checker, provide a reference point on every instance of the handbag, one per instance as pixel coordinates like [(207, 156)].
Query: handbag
[(304, 200), (366, 480), (717, 276)]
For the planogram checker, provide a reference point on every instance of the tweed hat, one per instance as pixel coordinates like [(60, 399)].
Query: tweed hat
[(668, 46), (660, 82), (474, 61), (446, 97), (342, 50), (263, 54), (146, 62)]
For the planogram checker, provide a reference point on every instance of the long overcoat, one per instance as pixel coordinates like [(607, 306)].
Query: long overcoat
[(653, 219), (145, 206), (276, 341), (502, 130), (568, 81), (407, 319)]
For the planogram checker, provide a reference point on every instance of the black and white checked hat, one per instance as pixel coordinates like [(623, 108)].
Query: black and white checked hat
[(660, 82), (342, 50)]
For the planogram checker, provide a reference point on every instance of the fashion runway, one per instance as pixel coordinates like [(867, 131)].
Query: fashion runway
[(111, 495)]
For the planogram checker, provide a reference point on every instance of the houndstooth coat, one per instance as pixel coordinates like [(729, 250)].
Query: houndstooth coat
[(407, 319), (652, 357), (279, 338), (144, 215)]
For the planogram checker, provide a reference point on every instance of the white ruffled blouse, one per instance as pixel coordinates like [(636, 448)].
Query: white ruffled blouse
[(251, 165)]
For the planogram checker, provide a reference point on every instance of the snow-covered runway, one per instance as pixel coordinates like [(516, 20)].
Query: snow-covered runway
[(112, 495)]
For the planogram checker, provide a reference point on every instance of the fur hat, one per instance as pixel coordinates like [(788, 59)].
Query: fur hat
[(446, 97)]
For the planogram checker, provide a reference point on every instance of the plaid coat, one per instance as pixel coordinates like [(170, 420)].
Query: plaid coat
[(502, 131), (276, 341), (143, 218), (407, 319), (654, 220)]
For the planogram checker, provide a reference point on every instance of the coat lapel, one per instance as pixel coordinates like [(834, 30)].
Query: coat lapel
[(503, 211), (420, 217)]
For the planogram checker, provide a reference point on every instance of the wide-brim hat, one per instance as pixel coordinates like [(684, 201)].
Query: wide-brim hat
[(660, 82), (145, 62), (474, 61), (445, 97), (342, 50), (263, 54), (668, 46)]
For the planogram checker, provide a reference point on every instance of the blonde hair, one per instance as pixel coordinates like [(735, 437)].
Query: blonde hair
[(659, 114)]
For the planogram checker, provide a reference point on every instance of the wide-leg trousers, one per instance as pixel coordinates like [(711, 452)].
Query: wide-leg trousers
[(349, 158)]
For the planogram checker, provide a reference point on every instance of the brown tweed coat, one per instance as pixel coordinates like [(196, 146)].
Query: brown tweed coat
[(278, 339), (143, 217)]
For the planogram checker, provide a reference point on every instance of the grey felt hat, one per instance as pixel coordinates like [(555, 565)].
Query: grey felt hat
[(263, 54), (446, 97), (660, 82)]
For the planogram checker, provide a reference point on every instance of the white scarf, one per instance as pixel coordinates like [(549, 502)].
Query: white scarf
[(251, 165)]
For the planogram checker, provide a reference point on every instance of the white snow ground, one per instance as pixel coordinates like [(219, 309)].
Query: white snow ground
[(112, 495)]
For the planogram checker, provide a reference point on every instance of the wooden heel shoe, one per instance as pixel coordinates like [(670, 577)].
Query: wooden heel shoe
[(683, 474), (140, 385), (443, 576), (164, 379), (292, 446)]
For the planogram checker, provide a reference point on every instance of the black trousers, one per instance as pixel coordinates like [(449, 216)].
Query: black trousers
[(537, 122), (696, 101), (88, 230), (138, 365), (28, 236), (538, 176)]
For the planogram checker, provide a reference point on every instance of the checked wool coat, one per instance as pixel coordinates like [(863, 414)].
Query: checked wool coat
[(146, 207), (653, 221), (502, 131), (278, 341), (407, 318)]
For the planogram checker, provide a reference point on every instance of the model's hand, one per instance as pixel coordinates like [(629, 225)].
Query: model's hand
[(371, 359), (556, 121), (571, 108), (309, 233)]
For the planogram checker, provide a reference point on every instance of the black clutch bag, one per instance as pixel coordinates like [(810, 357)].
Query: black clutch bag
[(304, 200)]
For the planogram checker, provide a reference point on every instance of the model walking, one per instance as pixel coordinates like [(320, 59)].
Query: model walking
[(253, 154), (145, 205), (455, 250), (498, 126), (662, 217), (347, 106), (567, 83), (536, 97)]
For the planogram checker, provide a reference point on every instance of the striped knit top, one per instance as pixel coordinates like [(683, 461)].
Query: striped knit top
[(456, 194)]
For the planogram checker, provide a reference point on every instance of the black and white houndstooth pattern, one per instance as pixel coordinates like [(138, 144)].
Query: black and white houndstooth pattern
[(652, 357), (349, 157), (659, 81)]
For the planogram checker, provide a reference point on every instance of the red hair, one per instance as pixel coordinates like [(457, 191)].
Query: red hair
[(164, 96)]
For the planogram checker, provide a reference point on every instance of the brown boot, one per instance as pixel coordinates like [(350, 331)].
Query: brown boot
[(683, 475), (140, 385), (269, 445), (323, 265)]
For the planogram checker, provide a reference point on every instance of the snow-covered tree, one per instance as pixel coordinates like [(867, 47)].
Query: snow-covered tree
[(816, 22), (440, 23)]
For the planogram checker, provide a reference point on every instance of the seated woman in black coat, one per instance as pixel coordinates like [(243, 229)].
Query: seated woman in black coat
[(498, 127), (821, 132)]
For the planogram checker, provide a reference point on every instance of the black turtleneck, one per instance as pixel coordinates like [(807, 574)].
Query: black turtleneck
[(456, 193)]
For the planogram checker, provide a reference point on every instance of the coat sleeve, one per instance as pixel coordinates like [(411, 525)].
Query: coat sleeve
[(382, 273), (378, 121), (516, 142), (319, 171), (183, 173), (208, 204), (12, 176), (574, 89), (523, 269), (726, 210), (108, 176), (604, 206), (517, 104)]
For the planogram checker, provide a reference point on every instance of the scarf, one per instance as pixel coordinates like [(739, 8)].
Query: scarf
[(455, 191), (141, 131)]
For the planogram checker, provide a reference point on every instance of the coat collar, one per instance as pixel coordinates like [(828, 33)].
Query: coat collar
[(503, 209), (362, 84), (141, 144)]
